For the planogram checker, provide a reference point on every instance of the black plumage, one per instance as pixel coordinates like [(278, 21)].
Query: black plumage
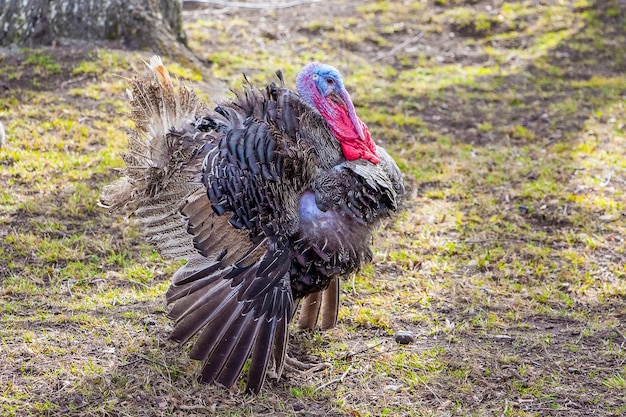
[(258, 197)]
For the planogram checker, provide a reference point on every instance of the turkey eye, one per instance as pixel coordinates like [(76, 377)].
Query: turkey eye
[(330, 81)]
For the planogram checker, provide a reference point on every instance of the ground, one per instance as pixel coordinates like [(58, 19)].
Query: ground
[(507, 263)]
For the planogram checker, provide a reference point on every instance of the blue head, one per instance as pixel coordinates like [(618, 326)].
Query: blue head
[(321, 86)]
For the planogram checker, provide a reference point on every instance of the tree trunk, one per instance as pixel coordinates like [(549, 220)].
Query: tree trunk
[(145, 24)]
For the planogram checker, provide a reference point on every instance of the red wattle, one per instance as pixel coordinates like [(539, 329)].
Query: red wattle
[(355, 150), (352, 146)]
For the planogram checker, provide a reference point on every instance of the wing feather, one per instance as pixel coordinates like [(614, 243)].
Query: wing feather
[(231, 309), (261, 353), (241, 352)]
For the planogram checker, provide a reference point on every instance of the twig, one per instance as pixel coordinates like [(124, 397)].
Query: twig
[(393, 51), (3, 137), (429, 388), (619, 333), (131, 362), (153, 361), (340, 379), (540, 408), (506, 408), (351, 355), (144, 358), (69, 287), (83, 405), (495, 240), (74, 80), (257, 6), (205, 408)]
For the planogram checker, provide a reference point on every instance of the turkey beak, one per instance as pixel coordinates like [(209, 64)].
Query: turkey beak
[(342, 98)]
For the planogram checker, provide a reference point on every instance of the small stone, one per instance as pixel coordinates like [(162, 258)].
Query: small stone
[(298, 407), (404, 337), (161, 402)]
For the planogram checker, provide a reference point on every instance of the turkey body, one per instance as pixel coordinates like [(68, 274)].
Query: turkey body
[(257, 196)]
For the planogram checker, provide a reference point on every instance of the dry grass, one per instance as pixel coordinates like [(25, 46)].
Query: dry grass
[(508, 264)]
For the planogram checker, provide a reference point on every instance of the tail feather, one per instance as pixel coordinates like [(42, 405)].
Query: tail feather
[(164, 160), (154, 158)]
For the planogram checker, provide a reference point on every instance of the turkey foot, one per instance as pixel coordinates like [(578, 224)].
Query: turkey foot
[(304, 368)]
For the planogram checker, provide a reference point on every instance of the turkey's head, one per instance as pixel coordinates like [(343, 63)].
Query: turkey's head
[(321, 86)]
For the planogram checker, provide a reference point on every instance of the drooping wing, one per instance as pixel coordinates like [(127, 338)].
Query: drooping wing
[(238, 308), (361, 189)]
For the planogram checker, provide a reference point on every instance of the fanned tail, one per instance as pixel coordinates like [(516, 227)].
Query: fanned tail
[(155, 160), (164, 161)]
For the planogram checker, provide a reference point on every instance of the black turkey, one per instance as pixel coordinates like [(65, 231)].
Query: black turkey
[(270, 198)]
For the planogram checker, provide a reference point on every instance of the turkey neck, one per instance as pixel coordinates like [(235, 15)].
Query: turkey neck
[(314, 131)]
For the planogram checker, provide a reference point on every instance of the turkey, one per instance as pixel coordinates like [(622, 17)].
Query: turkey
[(270, 198)]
